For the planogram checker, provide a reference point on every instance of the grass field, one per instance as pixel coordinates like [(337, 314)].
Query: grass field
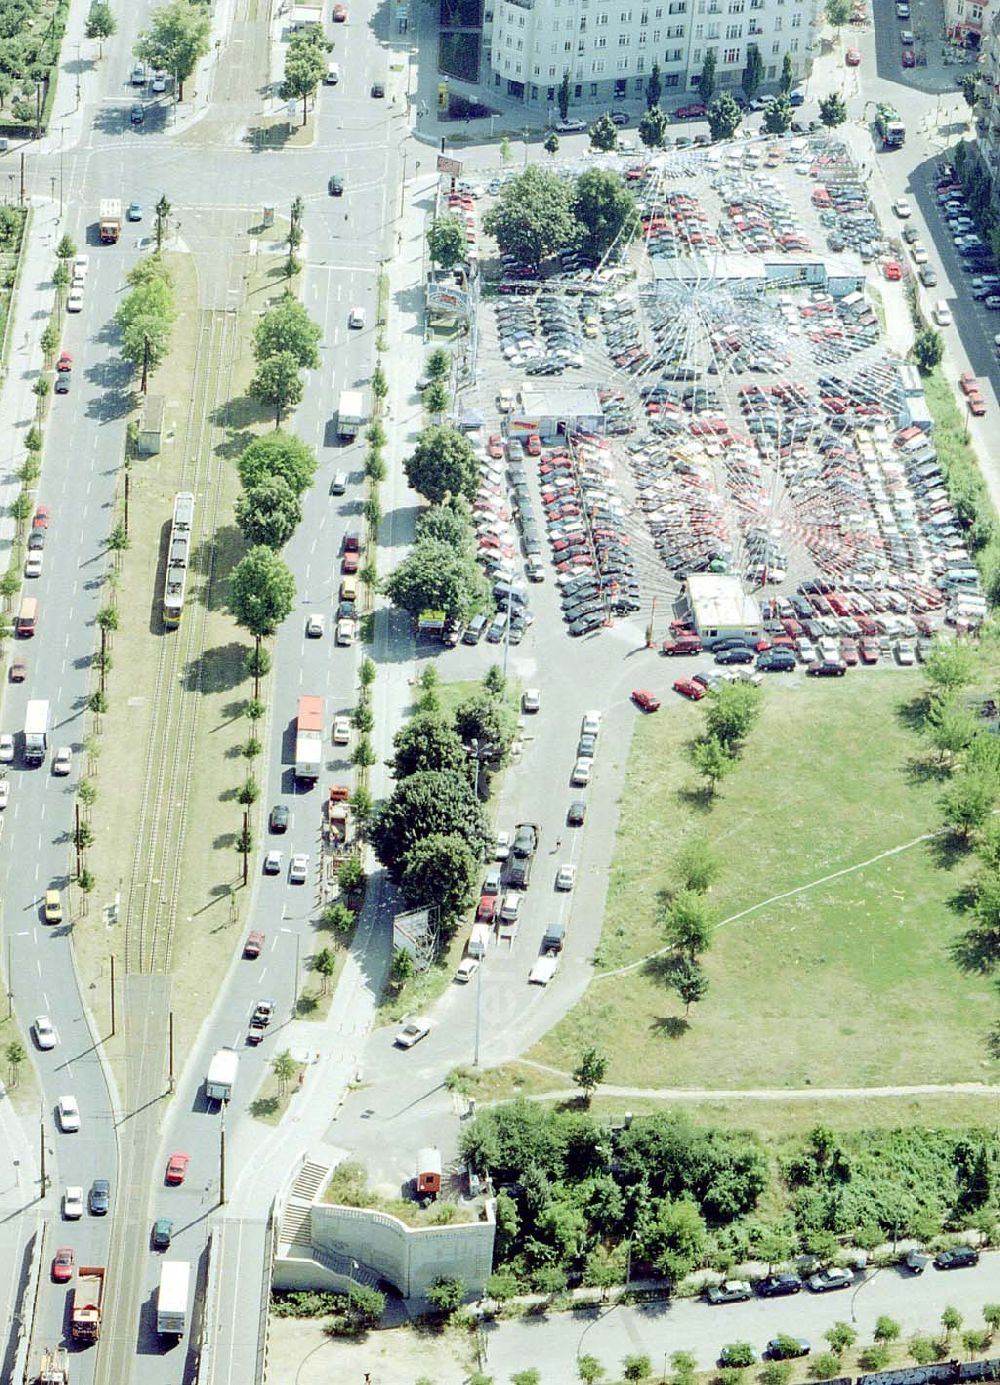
[(845, 984)]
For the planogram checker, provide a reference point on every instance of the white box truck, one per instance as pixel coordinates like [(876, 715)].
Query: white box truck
[(309, 737), (36, 732), (221, 1076), (172, 1299), (351, 415), (479, 940)]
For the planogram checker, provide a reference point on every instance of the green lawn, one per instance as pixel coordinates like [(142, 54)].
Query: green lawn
[(847, 984)]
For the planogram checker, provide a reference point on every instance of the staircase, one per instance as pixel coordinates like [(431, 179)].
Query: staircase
[(295, 1229)]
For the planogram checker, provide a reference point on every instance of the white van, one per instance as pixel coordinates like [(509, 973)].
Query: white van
[(332, 74)]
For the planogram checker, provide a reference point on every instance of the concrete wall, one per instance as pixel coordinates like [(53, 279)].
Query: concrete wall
[(410, 1258)]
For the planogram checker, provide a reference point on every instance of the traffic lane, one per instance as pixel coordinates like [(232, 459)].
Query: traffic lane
[(695, 1326), (241, 1251)]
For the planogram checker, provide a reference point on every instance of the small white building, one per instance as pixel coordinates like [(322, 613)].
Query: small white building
[(719, 607), (555, 410)]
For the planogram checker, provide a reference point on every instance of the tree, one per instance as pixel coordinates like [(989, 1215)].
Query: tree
[(825, 1366), (277, 384), (636, 1367), (840, 1335), (951, 665), (654, 88), (991, 1315), (876, 1358), (589, 1369), (446, 1294), (563, 96), (838, 13), (685, 1365), (440, 869), (324, 965), (776, 1373), (501, 1286), (443, 463), (951, 1320), (261, 593), (928, 349), (604, 207), (438, 364), (449, 523), (724, 117), (532, 217), (967, 85), (976, 1341), (269, 513), (551, 145), (689, 981), (163, 210), (530, 1376), (968, 802), (435, 577), (101, 23), (489, 721), (731, 712), (923, 1350), (778, 116), (603, 133), (284, 1068), (403, 969), (177, 39), (887, 1330), (278, 454), (146, 316), (425, 804), (697, 863), (288, 327), (336, 917), (712, 760), (603, 1269), (787, 75), (673, 1237), (753, 73), (436, 398), (427, 741), (832, 110), (949, 725), (706, 84), (66, 248), (653, 128), (305, 68), (737, 1354), (446, 241), (15, 1055), (589, 1072)]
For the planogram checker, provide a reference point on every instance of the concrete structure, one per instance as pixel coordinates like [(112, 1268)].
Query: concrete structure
[(837, 274), (150, 435), (554, 410), (719, 607), (609, 49), (988, 106), (965, 22)]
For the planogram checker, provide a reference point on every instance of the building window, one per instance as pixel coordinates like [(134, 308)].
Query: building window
[(567, 47), (656, 35), (626, 16), (583, 25), (623, 40), (795, 45), (678, 7), (777, 24), (775, 48), (623, 64), (619, 86), (577, 92), (696, 56), (602, 41), (675, 55), (713, 31), (672, 79), (699, 31), (734, 31), (640, 66), (593, 88), (772, 71), (732, 55), (644, 17), (796, 20), (602, 18), (642, 36)]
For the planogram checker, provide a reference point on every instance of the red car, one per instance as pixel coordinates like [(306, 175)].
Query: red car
[(350, 563), (683, 644), (967, 380), (63, 1264), (65, 361), (849, 653), (495, 446), (533, 445), (696, 111), (852, 58), (340, 14), (41, 519), (254, 944), (688, 688), (892, 270), (869, 651), (909, 58), (177, 1167), (976, 403), (18, 671), (648, 701)]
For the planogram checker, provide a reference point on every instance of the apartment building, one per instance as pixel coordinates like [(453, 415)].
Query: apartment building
[(965, 22), (608, 47)]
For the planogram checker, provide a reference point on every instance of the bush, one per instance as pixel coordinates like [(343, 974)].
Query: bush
[(304, 1304)]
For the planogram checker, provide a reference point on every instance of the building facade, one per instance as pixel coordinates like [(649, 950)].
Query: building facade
[(965, 22), (609, 47)]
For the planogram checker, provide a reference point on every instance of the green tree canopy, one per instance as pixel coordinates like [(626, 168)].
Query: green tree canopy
[(654, 87), (604, 207), (440, 869), (288, 327), (177, 39), (653, 128), (427, 803), (443, 463), (436, 577), (604, 133), (278, 454), (674, 1239), (425, 742), (305, 68), (532, 217), (589, 1073), (277, 384), (838, 13), (261, 592), (446, 241), (928, 349), (778, 115), (450, 523), (724, 117), (487, 719), (101, 23), (832, 110), (269, 513), (753, 73), (706, 85), (787, 74), (688, 922)]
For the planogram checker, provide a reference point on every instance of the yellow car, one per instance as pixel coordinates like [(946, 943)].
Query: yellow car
[(53, 907)]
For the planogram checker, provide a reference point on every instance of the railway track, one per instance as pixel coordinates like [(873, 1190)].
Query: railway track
[(153, 886)]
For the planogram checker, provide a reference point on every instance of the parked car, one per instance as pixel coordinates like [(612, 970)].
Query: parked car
[(779, 1285), (828, 1279), (957, 1258), (729, 1291)]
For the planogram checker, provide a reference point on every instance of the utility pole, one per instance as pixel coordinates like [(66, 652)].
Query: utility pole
[(170, 1050), (76, 836), (126, 502), (222, 1157), (479, 1011), (112, 995), (41, 1146)]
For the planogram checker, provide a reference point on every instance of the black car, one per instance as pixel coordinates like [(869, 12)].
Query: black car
[(773, 661), (100, 1197), (958, 1258), (737, 655), (63, 380), (585, 624), (577, 812), (335, 187), (779, 1285), (830, 668), (278, 821), (378, 90), (137, 115), (730, 642)]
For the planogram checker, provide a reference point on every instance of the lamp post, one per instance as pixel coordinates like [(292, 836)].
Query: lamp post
[(295, 992)]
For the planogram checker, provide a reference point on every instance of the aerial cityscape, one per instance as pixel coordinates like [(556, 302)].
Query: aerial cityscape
[(500, 755)]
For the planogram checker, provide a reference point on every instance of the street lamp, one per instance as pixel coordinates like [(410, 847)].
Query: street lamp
[(295, 992)]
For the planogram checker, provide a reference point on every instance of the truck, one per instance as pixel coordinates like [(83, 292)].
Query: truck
[(172, 1299), (259, 1020), (88, 1302), (110, 221), (36, 731), (889, 127), (431, 623), (222, 1074), (338, 825), (54, 1369), (309, 738), (351, 414)]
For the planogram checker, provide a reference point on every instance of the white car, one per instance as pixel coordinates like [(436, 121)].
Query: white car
[(315, 625), (544, 969), (510, 909), (357, 317), (72, 1203), (942, 313), (63, 761), (45, 1034), (502, 849), (159, 82), (6, 748), (345, 631), (298, 868), (138, 78), (4, 792), (74, 303), (272, 863), (33, 563), (565, 876), (81, 265), (919, 253), (806, 651), (68, 1112), (905, 653), (581, 773), (902, 208), (571, 127), (531, 700), (412, 1030), (341, 730), (591, 724), (467, 969)]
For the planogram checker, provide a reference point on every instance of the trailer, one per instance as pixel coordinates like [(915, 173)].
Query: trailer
[(338, 822), (36, 731), (172, 1299), (88, 1303), (309, 738), (889, 127), (351, 413), (110, 221), (221, 1077), (54, 1368), (428, 1171)]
